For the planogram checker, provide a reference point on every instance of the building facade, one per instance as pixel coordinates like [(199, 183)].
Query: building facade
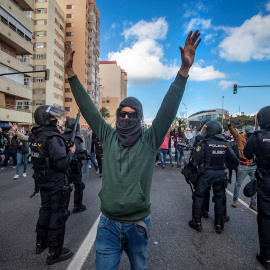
[(49, 37), (82, 21), (113, 87), (16, 56), (207, 114)]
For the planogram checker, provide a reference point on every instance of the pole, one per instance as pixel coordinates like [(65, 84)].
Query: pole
[(186, 113), (222, 109)]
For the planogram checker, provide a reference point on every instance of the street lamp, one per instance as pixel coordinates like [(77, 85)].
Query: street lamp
[(222, 109), (186, 113)]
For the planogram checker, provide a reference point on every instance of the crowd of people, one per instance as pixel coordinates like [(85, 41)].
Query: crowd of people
[(127, 167)]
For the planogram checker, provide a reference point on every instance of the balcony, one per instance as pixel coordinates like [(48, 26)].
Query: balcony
[(18, 13), (26, 5), (15, 38), (11, 87), (12, 115), (13, 61)]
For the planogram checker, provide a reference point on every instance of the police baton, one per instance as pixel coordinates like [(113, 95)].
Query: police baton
[(71, 142)]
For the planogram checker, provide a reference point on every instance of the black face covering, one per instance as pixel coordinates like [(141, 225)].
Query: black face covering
[(129, 130)]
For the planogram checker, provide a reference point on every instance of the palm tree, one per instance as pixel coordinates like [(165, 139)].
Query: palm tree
[(104, 113)]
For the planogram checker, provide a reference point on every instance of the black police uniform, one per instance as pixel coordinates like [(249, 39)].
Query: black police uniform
[(75, 171), (50, 162), (259, 145), (211, 155)]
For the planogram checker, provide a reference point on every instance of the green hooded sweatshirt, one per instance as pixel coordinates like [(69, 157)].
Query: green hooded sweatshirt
[(128, 171)]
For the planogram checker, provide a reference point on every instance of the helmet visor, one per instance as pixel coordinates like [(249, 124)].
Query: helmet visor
[(55, 111), (203, 130)]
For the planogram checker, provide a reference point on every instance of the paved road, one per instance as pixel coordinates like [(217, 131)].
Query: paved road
[(173, 244)]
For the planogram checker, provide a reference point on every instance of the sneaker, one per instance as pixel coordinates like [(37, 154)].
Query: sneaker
[(171, 165), (89, 167), (100, 175), (35, 193), (14, 167), (16, 176), (97, 171), (234, 203), (253, 206), (163, 166), (157, 164), (24, 175)]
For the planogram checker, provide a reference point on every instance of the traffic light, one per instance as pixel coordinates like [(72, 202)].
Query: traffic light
[(235, 89), (47, 74)]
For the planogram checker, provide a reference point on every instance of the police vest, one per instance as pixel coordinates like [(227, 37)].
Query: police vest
[(263, 151), (42, 164), (215, 154)]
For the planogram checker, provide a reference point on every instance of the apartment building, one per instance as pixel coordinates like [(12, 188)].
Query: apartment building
[(49, 37), (113, 86), (16, 50), (83, 31)]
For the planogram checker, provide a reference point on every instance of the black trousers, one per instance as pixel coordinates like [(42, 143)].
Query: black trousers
[(263, 217), (214, 178), (54, 211)]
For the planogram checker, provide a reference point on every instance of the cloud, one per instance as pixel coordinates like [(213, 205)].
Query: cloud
[(149, 121), (142, 55), (109, 34), (249, 41), (267, 6), (198, 23), (208, 73), (225, 84), (143, 59)]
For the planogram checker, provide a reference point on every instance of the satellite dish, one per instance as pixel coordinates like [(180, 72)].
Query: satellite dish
[(188, 135)]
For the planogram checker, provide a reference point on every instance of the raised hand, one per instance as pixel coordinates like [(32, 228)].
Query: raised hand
[(188, 52), (69, 53), (14, 126), (227, 117)]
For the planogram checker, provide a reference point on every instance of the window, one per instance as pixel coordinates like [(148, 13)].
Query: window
[(39, 79), (68, 99), (41, 11), (40, 22), (39, 56), (70, 6), (39, 45), (70, 15), (38, 102), (107, 101), (41, 1), (38, 68), (40, 34)]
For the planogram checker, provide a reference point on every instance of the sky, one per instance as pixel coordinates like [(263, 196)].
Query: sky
[(144, 36)]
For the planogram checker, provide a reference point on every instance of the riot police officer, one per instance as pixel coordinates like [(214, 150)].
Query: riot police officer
[(75, 175), (259, 145), (51, 160), (210, 156)]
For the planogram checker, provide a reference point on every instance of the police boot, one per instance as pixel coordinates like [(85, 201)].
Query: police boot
[(41, 243), (263, 256), (219, 225), (58, 254), (195, 224), (79, 208)]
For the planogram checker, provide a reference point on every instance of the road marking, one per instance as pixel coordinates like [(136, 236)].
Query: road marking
[(81, 255), (239, 200)]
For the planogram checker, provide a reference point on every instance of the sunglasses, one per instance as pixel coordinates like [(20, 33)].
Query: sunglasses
[(122, 114)]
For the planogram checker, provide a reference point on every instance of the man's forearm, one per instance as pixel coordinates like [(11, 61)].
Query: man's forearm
[(184, 71), (70, 72)]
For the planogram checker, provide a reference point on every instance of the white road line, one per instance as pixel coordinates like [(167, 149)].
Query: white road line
[(239, 200), (81, 255)]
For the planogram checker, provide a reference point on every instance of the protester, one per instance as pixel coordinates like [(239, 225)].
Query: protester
[(10, 148), (163, 150), (128, 165), (22, 155)]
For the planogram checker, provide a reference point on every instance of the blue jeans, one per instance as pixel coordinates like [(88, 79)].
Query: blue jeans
[(19, 162), (170, 154), (243, 172), (93, 159), (178, 154), (113, 237), (163, 155)]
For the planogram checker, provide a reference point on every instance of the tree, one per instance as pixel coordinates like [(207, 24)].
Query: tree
[(240, 121), (104, 113)]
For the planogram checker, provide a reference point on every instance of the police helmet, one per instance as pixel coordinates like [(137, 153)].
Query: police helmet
[(213, 128), (70, 123), (205, 121), (263, 117), (44, 113)]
